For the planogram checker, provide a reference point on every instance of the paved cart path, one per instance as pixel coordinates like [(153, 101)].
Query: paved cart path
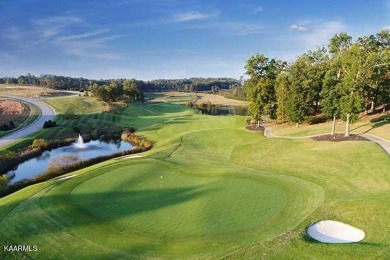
[(46, 113)]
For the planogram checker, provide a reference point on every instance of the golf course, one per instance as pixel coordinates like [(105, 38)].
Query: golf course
[(207, 189), (194, 129)]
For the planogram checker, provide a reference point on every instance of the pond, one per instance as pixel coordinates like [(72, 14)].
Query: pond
[(215, 110), (39, 164)]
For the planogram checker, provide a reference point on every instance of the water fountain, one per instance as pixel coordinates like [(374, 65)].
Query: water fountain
[(83, 151), (80, 143)]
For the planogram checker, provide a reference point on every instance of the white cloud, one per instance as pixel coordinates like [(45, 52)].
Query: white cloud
[(81, 52), (53, 33), (82, 35), (321, 32), (51, 26), (287, 45), (192, 15), (298, 28), (12, 33), (57, 20), (85, 45), (233, 28)]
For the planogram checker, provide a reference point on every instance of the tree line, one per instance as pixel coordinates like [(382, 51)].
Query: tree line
[(189, 85), (115, 90), (51, 81), (339, 82), (70, 83)]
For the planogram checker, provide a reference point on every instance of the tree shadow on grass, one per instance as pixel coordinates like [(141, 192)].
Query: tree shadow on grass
[(356, 128), (92, 209), (375, 123), (66, 213), (177, 121), (382, 119)]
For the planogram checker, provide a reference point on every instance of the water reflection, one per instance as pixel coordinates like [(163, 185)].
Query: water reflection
[(37, 165), (222, 110)]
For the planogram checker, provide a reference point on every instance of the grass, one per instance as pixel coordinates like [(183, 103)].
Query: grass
[(31, 91), (198, 97), (375, 125), (76, 105), (220, 100), (208, 189)]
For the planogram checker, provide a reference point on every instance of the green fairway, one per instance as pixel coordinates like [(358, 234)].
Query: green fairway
[(208, 189)]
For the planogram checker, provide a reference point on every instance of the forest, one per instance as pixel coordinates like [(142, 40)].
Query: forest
[(338, 82), (69, 83)]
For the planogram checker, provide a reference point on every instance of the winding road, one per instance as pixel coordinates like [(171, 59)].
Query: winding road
[(46, 113), (385, 144)]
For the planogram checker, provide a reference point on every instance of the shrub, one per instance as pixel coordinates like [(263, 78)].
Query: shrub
[(63, 161), (311, 120), (39, 143), (205, 105), (76, 129), (130, 129), (49, 124), (136, 140), (3, 180), (120, 104), (6, 154), (147, 144), (124, 136), (7, 127), (8, 160)]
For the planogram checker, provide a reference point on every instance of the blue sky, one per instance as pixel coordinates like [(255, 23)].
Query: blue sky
[(152, 39)]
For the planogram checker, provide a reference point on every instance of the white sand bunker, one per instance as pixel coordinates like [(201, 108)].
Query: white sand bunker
[(329, 231), (132, 156), (66, 177)]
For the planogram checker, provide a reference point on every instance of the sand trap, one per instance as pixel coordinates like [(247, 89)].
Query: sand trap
[(132, 156), (66, 177), (329, 231)]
